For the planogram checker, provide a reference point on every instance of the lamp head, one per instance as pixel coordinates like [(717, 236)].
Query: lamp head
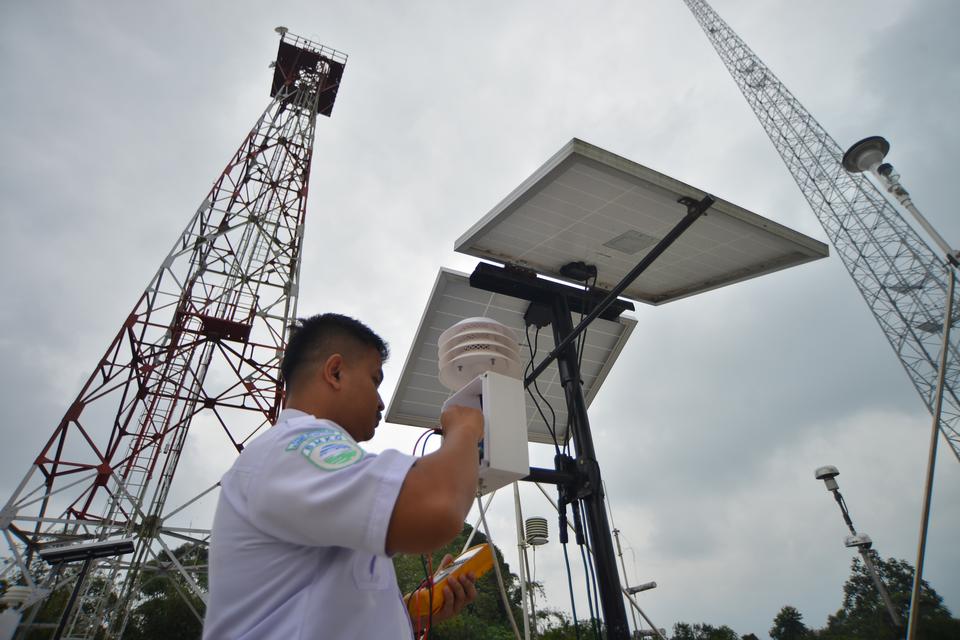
[(57, 554), (646, 586), (866, 154), (282, 31), (858, 540), (828, 474)]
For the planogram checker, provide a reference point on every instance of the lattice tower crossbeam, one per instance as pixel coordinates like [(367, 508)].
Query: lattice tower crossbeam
[(902, 280)]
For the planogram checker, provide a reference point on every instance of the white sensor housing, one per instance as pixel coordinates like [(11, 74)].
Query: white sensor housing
[(504, 457), (480, 360)]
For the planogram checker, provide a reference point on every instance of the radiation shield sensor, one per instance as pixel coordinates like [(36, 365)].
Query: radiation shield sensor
[(477, 560), (419, 395), (474, 346), (589, 205)]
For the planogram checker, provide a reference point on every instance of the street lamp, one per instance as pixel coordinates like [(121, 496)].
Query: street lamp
[(868, 155), (59, 555), (860, 541), (646, 586), (632, 591)]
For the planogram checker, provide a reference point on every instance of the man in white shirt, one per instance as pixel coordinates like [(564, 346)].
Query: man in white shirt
[(307, 520)]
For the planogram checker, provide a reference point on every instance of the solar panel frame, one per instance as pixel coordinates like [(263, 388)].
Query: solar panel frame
[(419, 395), (584, 198)]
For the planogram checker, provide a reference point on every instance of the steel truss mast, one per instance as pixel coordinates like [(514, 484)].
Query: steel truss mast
[(201, 348), (902, 279)]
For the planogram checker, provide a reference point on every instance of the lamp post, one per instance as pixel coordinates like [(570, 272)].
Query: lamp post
[(859, 541), (868, 155), (654, 632), (87, 552)]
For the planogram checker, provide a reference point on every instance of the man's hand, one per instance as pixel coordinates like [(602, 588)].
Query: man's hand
[(457, 593), (457, 418)]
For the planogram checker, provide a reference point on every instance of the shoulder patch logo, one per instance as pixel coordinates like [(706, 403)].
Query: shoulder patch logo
[(322, 434), (331, 456), (327, 447)]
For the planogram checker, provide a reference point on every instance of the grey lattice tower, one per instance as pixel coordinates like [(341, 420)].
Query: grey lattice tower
[(902, 280), (201, 347)]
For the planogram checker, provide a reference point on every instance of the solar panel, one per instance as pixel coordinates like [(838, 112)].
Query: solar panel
[(591, 205), (419, 394)]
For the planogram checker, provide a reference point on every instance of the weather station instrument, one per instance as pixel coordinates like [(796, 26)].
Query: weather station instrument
[(479, 360), (588, 233)]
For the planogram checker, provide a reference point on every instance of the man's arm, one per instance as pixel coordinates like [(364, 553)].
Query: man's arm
[(438, 490)]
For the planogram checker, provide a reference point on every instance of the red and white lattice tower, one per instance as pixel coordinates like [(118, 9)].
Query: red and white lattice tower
[(201, 347)]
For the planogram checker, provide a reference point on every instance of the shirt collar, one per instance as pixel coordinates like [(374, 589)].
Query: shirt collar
[(290, 414)]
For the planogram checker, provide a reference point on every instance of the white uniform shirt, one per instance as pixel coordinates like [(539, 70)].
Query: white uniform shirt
[(297, 549)]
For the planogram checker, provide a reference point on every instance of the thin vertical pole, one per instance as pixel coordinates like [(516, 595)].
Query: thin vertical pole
[(73, 599), (878, 583), (931, 462), (623, 565), (522, 549)]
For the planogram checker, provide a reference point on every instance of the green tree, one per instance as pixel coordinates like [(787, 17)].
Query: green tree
[(165, 607), (556, 625), (788, 625), (864, 616), (702, 631)]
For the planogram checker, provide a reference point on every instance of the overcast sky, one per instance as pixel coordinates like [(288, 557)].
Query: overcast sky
[(117, 117)]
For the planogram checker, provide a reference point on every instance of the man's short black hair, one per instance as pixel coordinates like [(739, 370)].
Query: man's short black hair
[(318, 337)]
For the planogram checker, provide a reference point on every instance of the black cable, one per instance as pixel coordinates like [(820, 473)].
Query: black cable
[(551, 426), (573, 604), (429, 581), (585, 309), (579, 532), (416, 445), (593, 572), (594, 611), (423, 449)]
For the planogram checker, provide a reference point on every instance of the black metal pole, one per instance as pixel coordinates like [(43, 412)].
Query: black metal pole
[(73, 598), (590, 491)]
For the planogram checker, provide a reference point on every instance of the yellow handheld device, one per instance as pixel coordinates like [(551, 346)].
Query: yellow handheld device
[(477, 560)]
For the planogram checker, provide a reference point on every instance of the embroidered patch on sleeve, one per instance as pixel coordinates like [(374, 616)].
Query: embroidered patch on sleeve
[(297, 442), (327, 448), (331, 456)]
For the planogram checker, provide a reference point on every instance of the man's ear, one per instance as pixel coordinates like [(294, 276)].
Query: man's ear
[(332, 368)]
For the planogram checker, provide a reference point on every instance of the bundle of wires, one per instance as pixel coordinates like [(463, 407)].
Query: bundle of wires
[(427, 583)]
